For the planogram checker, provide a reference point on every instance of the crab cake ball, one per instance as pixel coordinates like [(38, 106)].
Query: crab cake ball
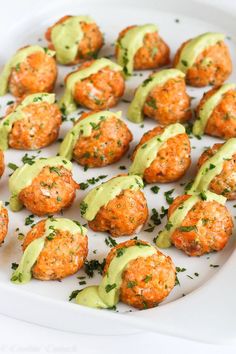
[(146, 281), (223, 183), (3, 222), (207, 226), (99, 139), (204, 59), (47, 186), (2, 165), (162, 97), (30, 70), (96, 85), (162, 155), (74, 38), (219, 120), (55, 248), (32, 124), (117, 206), (140, 48)]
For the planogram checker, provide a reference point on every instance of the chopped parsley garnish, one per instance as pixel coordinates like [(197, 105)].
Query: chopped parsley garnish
[(155, 217), (168, 196), (94, 265), (203, 196), (83, 207), (14, 266), (131, 284), (155, 189), (12, 166), (110, 287), (55, 169), (145, 82), (120, 252), (109, 241), (29, 220), (187, 228), (214, 265), (180, 270), (91, 181), (184, 62), (82, 282), (74, 294), (151, 102), (30, 160), (147, 278)]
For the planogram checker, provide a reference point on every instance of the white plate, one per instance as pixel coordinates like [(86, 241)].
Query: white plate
[(208, 310)]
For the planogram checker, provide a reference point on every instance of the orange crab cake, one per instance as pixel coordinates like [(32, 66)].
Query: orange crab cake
[(204, 59), (140, 48), (55, 249), (220, 161), (96, 85), (162, 97), (46, 187), (162, 155), (216, 112), (117, 206), (74, 38), (197, 224), (32, 69), (2, 165), (32, 124), (135, 273), (97, 139), (3, 222)]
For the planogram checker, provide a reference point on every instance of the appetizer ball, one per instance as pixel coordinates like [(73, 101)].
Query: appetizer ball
[(152, 52), (122, 215), (31, 70), (74, 38), (220, 120), (63, 253), (162, 97), (51, 191), (38, 125), (170, 161), (2, 165), (207, 227), (223, 183), (100, 90), (205, 60), (169, 103), (45, 187), (146, 281), (107, 143), (3, 222)]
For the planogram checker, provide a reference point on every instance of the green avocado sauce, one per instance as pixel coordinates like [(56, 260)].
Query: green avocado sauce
[(106, 295), (107, 191), (177, 217), (213, 167), (130, 44), (23, 272), (208, 108), (23, 177), (67, 102), (135, 110), (14, 62), (83, 128), (147, 152), (18, 114), (66, 37), (195, 47)]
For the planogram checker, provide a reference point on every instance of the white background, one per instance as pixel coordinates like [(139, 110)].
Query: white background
[(20, 337)]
